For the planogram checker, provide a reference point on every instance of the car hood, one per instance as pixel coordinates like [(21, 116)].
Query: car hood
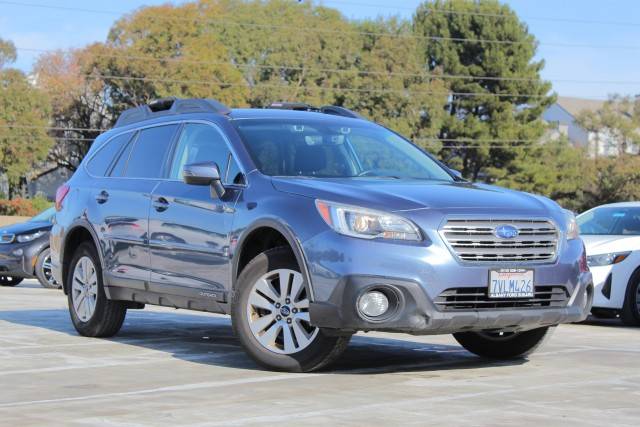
[(596, 244), (404, 195), (25, 227)]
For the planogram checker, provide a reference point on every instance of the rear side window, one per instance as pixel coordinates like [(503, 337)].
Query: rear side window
[(149, 152), (100, 162)]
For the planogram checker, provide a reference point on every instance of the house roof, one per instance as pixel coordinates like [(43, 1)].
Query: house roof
[(575, 106)]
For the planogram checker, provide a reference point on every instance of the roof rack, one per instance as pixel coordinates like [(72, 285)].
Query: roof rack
[(327, 109), (170, 106)]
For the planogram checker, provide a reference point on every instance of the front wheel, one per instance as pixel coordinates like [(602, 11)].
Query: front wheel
[(503, 345), (10, 281), (92, 314), (270, 316)]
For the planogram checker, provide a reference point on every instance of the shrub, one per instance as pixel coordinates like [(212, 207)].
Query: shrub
[(24, 207)]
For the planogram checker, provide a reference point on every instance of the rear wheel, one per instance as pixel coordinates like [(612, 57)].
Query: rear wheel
[(270, 315), (92, 314), (503, 345), (43, 271), (10, 281), (631, 310)]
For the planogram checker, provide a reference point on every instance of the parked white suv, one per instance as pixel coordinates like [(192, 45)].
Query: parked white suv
[(611, 234)]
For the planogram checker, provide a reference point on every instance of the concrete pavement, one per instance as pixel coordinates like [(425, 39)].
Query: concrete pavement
[(169, 367)]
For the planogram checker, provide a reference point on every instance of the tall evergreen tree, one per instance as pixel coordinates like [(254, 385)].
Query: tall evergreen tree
[(496, 102)]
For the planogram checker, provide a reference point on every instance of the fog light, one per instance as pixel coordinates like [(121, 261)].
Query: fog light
[(17, 252), (373, 304)]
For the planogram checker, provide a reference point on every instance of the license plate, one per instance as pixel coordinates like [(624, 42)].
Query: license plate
[(511, 283)]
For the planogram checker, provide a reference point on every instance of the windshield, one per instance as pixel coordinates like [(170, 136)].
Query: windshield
[(44, 216), (610, 221), (315, 148)]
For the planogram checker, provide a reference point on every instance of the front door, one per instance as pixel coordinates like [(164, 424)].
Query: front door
[(188, 225), (123, 199)]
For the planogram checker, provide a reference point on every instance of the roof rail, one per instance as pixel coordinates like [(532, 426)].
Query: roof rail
[(327, 109), (170, 106)]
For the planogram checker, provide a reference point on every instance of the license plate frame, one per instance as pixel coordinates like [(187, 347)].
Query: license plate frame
[(511, 283)]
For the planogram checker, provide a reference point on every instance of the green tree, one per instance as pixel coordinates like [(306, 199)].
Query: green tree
[(555, 169), (618, 122), (392, 87), (495, 106), (24, 114), (614, 179)]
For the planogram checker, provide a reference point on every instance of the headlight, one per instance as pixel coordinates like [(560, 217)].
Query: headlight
[(23, 238), (367, 224), (607, 259), (573, 232)]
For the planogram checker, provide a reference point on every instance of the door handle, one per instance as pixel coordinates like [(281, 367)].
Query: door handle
[(102, 197), (160, 204)]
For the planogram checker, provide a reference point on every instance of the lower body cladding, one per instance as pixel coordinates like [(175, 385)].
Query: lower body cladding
[(410, 310)]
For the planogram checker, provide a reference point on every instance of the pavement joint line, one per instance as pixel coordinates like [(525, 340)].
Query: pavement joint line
[(377, 406), (146, 361), (96, 342), (167, 389), (196, 386)]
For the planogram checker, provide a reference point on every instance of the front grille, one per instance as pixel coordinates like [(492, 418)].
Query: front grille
[(478, 299), (474, 240), (6, 238)]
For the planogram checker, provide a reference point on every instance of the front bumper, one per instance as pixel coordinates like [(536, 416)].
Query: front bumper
[(19, 259), (416, 313), (341, 269)]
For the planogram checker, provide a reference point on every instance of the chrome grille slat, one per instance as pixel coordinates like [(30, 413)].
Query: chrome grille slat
[(473, 240), (477, 299)]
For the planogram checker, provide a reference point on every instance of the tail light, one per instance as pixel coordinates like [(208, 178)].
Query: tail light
[(584, 267), (61, 193)]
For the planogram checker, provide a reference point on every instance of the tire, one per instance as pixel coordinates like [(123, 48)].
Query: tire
[(43, 270), (10, 281), (630, 314), (307, 348), (508, 346), (101, 317)]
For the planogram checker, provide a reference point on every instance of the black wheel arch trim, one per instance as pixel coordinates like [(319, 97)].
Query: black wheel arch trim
[(288, 234), (75, 225)]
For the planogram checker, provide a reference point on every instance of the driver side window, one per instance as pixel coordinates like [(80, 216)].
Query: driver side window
[(199, 143)]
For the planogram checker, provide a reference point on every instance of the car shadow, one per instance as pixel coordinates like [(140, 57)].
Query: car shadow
[(209, 339)]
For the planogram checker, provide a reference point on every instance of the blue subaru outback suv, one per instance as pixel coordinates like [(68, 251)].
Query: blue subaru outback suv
[(307, 225)]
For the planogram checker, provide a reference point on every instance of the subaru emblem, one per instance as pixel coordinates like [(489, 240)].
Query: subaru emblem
[(506, 231)]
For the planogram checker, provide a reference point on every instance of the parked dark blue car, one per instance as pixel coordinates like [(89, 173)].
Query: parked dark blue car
[(307, 225), (25, 253)]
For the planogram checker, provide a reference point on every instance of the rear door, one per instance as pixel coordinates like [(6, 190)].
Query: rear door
[(188, 226), (124, 200)]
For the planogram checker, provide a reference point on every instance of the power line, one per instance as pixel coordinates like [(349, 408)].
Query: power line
[(485, 14), (335, 70), (223, 21), (313, 88)]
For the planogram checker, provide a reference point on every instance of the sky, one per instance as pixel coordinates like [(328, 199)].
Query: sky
[(606, 59)]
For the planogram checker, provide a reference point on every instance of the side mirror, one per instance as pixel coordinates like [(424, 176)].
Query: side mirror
[(204, 173)]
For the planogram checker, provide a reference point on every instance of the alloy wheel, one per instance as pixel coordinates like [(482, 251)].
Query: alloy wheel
[(47, 273), (278, 312), (84, 289)]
